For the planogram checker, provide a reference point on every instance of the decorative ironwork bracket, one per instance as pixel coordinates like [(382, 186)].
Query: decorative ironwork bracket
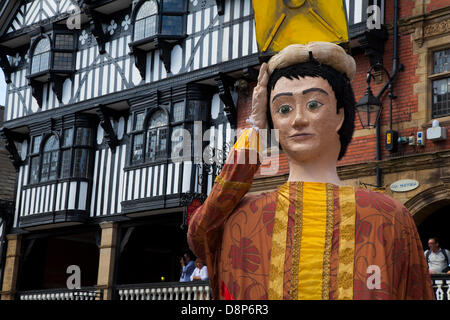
[(110, 136), (225, 83), (10, 146)]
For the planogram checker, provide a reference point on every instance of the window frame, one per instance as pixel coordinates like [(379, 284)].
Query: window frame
[(60, 150), (56, 50), (433, 77), (167, 108), (33, 48)]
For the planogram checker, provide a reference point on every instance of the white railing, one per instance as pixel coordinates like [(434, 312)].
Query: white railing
[(441, 286), (167, 291), (61, 294)]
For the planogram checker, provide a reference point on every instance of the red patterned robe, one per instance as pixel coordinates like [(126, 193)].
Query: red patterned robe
[(306, 241)]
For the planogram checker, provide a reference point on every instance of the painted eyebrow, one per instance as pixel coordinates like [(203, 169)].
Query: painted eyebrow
[(290, 94), (314, 89)]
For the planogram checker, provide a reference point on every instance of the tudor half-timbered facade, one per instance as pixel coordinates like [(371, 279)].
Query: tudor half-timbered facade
[(97, 95)]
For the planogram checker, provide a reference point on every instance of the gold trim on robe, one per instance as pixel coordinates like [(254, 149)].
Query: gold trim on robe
[(278, 253), (346, 243)]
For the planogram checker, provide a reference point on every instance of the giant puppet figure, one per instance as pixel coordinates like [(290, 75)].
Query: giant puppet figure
[(313, 237)]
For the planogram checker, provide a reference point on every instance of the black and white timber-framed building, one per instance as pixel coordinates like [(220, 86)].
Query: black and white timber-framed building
[(97, 91)]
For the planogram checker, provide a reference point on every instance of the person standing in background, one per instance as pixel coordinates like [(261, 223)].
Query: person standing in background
[(187, 267), (200, 272), (437, 258)]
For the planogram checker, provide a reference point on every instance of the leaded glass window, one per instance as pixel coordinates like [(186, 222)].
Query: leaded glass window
[(41, 56), (146, 20), (172, 25), (34, 171), (178, 111), (157, 135), (66, 153), (441, 86), (138, 148), (62, 61), (62, 157), (50, 154), (81, 153), (150, 139), (64, 41)]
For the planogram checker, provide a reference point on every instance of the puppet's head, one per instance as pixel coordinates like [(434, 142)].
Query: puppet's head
[(330, 68)]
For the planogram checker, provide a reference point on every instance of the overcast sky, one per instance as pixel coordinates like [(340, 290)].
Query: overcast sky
[(2, 88)]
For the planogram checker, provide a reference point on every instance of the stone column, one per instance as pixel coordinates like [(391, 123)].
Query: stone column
[(107, 259), (11, 266)]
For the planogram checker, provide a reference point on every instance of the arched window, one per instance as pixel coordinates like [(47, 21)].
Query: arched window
[(157, 133), (146, 20), (150, 137), (50, 154), (65, 158), (41, 56)]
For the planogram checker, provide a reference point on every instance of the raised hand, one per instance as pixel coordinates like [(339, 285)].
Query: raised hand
[(259, 100)]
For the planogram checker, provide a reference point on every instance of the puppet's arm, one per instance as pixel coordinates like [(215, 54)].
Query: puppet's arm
[(233, 182)]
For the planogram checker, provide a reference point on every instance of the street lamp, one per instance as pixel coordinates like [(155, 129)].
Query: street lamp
[(368, 109)]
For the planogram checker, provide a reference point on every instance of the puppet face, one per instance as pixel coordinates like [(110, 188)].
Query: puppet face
[(304, 112)]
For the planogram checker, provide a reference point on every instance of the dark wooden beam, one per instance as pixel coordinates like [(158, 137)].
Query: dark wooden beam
[(10, 146), (95, 20), (6, 67), (110, 136), (225, 83), (220, 6)]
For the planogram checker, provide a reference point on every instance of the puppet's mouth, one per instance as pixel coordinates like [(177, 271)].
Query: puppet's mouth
[(301, 135)]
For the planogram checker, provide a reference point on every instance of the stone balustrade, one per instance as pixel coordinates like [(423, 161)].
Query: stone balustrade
[(166, 291), (198, 290), (62, 294), (441, 286)]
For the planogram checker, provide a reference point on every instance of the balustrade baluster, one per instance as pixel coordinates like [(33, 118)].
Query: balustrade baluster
[(188, 292), (153, 294), (439, 291), (176, 292), (447, 281), (183, 292), (200, 292)]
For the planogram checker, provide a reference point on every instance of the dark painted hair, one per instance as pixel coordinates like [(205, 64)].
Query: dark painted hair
[(340, 84)]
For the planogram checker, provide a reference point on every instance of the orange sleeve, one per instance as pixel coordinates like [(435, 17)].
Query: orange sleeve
[(206, 225)]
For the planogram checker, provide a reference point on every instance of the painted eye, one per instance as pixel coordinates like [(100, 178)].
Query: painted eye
[(284, 109), (313, 105)]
